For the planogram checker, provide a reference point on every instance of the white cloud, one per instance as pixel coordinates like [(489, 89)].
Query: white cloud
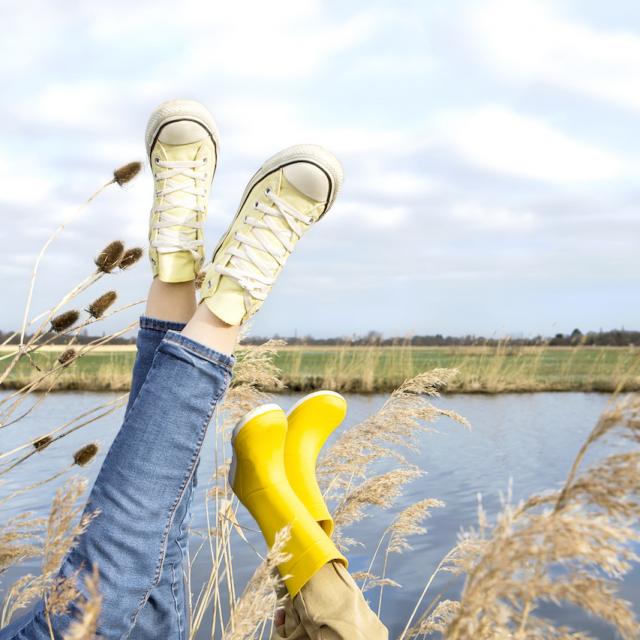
[(494, 218), (373, 216), (530, 41), (76, 106), (390, 89), (501, 140)]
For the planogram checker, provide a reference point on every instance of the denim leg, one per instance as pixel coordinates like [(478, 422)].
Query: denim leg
[(165, 615), (149, 337), (143, 481)]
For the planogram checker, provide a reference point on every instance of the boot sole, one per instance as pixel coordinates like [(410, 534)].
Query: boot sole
[(176, 110)]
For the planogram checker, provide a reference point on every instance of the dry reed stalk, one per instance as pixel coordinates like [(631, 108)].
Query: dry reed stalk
[(258, 601), (107, 260), (21, 394), (20, 538), (35, 485), (380, 491), (570, 546), (83, 325), (253, 372), (85, 627), (407, 524), (45, 440), (61, 533), (395, 426), (46, 245), (115, 405), (436, 621)]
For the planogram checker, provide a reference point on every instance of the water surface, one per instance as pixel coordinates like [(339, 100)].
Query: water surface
[(527, 441)]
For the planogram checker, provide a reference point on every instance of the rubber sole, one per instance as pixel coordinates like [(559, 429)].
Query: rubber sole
[(254, 413), (175, 110), (258, 411), (315, 394)]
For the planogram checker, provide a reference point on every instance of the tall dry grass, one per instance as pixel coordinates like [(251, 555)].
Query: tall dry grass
[(483, 368), (571, 546)]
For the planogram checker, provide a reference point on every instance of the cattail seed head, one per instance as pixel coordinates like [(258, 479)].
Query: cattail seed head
[(200, 279), (42, 443), (83, 456), (127, 172), (64, 321), (109, 258), (100, 305), (130, 257), (67, 356)]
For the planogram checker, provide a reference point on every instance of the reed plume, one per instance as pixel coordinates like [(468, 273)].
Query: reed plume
[(258, 601), (570, 546), (343, 469), (253, 372), (61, 532), (20, 538), (394, 427)]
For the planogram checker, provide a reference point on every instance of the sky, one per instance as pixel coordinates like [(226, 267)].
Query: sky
[(490, 150)]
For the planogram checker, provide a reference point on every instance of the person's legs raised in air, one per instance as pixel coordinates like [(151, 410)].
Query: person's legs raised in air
[(148, 473)]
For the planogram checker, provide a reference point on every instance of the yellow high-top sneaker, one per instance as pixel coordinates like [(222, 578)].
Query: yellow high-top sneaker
[(290, 192), (258, 478), (182, 143), (310, 422)]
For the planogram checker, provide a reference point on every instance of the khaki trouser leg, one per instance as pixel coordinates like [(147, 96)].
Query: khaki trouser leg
[(330, 607)]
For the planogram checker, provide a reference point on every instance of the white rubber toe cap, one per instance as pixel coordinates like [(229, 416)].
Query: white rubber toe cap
[(182, 132), (308, 179)]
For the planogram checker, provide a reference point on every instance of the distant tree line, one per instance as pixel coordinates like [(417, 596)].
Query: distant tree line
[(82, 338), (612, 338)]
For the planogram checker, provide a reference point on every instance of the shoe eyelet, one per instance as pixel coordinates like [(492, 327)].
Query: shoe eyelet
[(255, 204), (157, 160), (267, 191), (205, 160)]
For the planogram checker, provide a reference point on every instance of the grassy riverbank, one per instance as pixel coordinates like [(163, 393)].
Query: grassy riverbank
[(368, 369)]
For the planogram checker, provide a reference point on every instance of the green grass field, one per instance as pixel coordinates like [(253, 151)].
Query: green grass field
[(368, 369)]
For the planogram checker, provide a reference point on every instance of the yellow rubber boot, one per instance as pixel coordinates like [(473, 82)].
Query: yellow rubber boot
[(258, 478), (310, 422)]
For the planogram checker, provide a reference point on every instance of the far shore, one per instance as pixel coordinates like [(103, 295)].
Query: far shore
[(370, 369)]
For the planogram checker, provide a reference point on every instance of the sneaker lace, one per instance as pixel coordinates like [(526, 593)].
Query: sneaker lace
[(177, 194), (248, 266)]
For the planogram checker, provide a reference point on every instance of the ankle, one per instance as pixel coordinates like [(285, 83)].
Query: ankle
[(206, 328), (175, 302)]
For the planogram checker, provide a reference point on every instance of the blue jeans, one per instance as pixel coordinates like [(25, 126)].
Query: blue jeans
[(143, 491)]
